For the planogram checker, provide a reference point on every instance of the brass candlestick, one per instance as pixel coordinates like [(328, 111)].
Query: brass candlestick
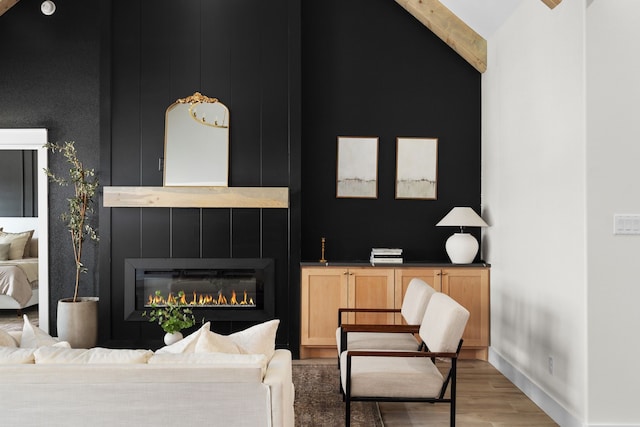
[(322, 240)]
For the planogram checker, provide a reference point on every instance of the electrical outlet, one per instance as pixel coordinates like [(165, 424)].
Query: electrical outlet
[(551, 365)]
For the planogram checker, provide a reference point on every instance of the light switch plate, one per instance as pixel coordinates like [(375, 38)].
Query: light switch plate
[(626, 224)]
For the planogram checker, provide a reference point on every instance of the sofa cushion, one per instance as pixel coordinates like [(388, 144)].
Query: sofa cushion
[(33, 337), (6, 340), (97, 355), (14, 355)]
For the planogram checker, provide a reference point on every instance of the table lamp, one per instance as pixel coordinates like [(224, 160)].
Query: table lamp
[(462, 247)]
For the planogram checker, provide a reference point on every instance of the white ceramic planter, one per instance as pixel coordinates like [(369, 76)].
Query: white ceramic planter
[(172, 338), (78, 321)]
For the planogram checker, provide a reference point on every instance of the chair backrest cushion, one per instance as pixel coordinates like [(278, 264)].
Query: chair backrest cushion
[(415, 301), (443, 323)]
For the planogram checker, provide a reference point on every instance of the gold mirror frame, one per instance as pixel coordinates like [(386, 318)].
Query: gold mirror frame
[(196, 147)]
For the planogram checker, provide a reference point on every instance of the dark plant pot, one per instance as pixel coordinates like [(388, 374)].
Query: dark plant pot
[(78, 321)]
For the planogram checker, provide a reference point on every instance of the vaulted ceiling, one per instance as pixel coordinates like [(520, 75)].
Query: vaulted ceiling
[(439, 19), (6, 5), (455, 31)]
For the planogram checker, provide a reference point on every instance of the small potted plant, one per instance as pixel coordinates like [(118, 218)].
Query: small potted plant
[(77, 318), (172, 316)]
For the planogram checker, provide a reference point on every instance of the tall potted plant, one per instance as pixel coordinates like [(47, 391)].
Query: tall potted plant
[(77, 318)]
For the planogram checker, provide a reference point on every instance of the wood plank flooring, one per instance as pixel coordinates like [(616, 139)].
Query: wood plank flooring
[(485, 399)]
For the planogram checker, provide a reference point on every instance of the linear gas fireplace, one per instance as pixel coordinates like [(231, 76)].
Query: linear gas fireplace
[(234, 289)]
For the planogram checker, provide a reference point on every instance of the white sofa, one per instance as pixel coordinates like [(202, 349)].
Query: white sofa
[(57, 386)]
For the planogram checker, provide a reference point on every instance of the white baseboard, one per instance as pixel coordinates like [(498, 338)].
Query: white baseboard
[(552, 408)]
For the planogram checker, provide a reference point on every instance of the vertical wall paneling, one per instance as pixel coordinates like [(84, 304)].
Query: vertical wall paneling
[(238, 52)]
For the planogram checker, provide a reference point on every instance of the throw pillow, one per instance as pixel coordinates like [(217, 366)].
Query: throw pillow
[(7, 340), (34, 337), (18, 242), (4, 251), (188, 343), (258, 339), (216, 343)]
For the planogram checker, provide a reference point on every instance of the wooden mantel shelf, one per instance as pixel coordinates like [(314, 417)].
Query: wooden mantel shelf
[(196, 197)]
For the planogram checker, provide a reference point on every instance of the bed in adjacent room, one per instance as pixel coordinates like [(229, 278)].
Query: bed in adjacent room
[(18, 263)]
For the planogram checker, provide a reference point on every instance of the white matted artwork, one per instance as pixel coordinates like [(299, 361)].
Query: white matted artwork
[(417, 168), (357, 174)]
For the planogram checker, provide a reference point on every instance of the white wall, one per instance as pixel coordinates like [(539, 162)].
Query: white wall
[(534, 198), (613, 180)]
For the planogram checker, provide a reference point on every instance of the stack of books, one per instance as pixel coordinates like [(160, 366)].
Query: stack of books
[(386, 256)]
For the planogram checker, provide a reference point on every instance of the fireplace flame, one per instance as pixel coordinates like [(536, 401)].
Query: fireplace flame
[(202, 300)]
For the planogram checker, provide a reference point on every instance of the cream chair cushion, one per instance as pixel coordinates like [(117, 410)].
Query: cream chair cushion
[(415, 301), (414, 304), (392, 376), (443, 324)]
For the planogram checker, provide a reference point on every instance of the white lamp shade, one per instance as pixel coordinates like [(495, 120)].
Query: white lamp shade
[(462, 217), (461, 248)]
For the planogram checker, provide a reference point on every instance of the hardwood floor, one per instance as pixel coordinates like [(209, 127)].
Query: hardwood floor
[(485, 399)]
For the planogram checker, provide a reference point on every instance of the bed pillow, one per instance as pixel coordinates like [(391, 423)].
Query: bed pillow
[(4, 251), (6, 340), (34, 337), (18, 242)]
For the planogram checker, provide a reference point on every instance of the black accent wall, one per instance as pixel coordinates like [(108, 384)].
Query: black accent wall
[(295, 75), (246, 54), (370, 69)]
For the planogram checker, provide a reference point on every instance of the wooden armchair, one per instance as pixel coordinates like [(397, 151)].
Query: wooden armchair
[(410, 376), (387, 337)]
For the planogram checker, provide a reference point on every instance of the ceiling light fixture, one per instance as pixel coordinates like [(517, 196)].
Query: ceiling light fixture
[(48, 7)]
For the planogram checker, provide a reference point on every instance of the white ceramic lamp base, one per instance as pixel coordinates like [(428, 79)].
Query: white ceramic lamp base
[(462, 248)]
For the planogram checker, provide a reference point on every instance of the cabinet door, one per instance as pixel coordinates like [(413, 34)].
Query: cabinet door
[(371, 288), (432, 276), (470, 288), (323, 291)]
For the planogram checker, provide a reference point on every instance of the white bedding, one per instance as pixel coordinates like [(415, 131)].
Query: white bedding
[(18, 279)]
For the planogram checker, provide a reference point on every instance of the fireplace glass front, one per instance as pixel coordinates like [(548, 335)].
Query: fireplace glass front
[(229, 289)]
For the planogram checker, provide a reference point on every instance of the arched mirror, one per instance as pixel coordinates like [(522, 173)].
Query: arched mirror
[(31, 142), (196, 147)]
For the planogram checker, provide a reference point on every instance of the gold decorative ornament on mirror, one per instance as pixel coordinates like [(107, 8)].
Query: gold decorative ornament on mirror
[(196, 151), (198, 98)]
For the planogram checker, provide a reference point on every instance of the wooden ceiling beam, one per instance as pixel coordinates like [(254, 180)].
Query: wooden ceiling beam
[(6, 5), (451, 29), (551, 3)]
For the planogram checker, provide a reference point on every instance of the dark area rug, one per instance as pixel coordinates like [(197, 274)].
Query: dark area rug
[(318, 400)]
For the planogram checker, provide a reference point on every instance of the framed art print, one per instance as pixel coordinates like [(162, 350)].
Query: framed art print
[(357, 171), (416, 168)]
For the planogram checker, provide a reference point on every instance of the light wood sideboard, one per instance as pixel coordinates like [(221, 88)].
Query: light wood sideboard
[(325, 288)]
